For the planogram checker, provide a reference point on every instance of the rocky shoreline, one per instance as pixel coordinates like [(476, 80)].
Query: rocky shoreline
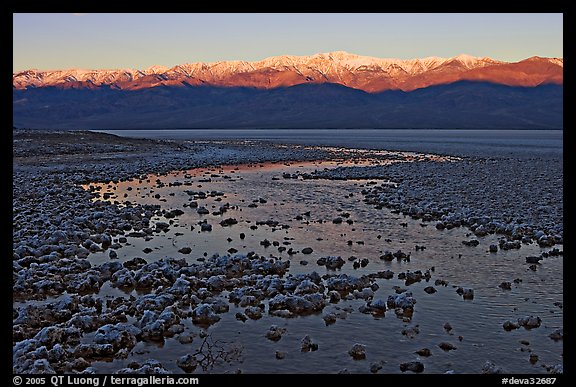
[(57, 225)]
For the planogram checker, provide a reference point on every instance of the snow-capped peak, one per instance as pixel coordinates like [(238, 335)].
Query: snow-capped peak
[(358, 71), (156, 69)]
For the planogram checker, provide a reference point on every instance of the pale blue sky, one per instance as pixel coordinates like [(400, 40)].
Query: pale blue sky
[(96, 41)]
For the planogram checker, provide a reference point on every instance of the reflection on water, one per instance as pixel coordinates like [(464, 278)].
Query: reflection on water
[(305, 211)]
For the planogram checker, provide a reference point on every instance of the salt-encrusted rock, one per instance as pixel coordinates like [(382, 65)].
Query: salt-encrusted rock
[(149, 367), (307, 344), (41, 366), (376, 366), (491, 368), (329, 318), (306, 304), (253, 312), (275, 333), (52, 335), (135, 263), (187, 363), (204, 314), (123, 278), (88, 351), (403, 301), (334, 296), (411, 332), (307, 287), (109, 268), (121, 335), (555, 369), (375, 307), (557, 335), (365, 294)]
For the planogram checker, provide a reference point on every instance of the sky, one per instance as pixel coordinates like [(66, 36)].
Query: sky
[(109, 41)]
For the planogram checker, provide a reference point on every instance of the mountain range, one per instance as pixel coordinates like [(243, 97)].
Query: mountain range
[(334, 89)]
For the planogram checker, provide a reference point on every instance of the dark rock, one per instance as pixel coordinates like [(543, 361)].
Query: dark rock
[(557, 335), (202, 211), (491, 368), (471, 243), (120, 335), (509, 325), (253, 312), (413, 366), (329, 318), (425, 352), (374, 307), (533, 259), (430, 289), (241, 317), (135, 263), (307, 345), (505, 285), (275, 333), (187, 363), (411, 332), (228, 222), (529, 322), (467, 294), (332, 263), (447, 346), (376, 366), (358, 352), (204, 314)]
